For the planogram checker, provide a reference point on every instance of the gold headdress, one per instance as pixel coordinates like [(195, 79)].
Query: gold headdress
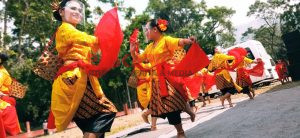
[(55, 5)]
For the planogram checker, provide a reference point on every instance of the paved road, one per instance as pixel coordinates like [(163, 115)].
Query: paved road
[(274, 114), (270, 115), (166, 130)]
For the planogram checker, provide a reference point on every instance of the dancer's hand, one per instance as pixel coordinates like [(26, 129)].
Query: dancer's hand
[(193, 39), (133, 46)]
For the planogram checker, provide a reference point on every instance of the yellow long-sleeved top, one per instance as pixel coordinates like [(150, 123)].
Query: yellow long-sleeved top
[(161, 52), (72, 44), (5, 80), (220, 61)]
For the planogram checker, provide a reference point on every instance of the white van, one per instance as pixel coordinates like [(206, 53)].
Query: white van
[(256, 50)]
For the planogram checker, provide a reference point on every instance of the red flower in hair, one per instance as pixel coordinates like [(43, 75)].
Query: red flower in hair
[(162, 24)]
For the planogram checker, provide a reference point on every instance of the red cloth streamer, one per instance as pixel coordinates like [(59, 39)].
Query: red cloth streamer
[(194, 84), (257, 70), (51, 121), (134, 39), (209, 80), (239, 54), (110, 38), (195, 60), (134, 36)]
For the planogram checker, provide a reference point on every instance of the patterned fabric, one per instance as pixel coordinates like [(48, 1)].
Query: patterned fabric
[(222, 83), (243, 79), (17, 89), (179, 55), (90, 105), (94, 115), (47, 65), (173, 102)]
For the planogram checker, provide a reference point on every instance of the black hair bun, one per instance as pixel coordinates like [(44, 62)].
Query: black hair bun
[(3, 58), (56, 7)]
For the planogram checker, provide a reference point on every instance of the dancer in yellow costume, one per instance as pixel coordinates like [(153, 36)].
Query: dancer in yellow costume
[(161, 50), (75, 94), (224, 82), (9, 122), (243, 78)]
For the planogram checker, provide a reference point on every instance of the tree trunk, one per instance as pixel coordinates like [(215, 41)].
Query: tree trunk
[(4, 25), (20, 39)]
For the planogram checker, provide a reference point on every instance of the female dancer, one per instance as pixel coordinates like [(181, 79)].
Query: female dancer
[(219, 64), (158, 52), (9, 122), (77, 95), (243, 78)]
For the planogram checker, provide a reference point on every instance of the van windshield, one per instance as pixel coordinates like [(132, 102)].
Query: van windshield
[(250, 54)]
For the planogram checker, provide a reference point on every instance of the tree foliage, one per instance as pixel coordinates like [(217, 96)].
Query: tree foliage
[(279, 16), (210, 25)]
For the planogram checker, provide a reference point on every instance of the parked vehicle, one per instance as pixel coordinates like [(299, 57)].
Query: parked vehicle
[(255, 50)]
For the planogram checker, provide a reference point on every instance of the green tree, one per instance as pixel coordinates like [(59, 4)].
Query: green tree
[(279, 16), (189, 18), (262, 35), (290, 18)]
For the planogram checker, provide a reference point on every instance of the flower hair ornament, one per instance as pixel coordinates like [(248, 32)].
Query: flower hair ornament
[(162, 24)]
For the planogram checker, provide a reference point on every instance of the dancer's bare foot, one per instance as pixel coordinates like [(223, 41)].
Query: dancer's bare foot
[(153, 128), (230, 105), (222, 101), (253, 94), (145, 118), (193, 116), (181, 135), (196, 109), (204, 104)]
